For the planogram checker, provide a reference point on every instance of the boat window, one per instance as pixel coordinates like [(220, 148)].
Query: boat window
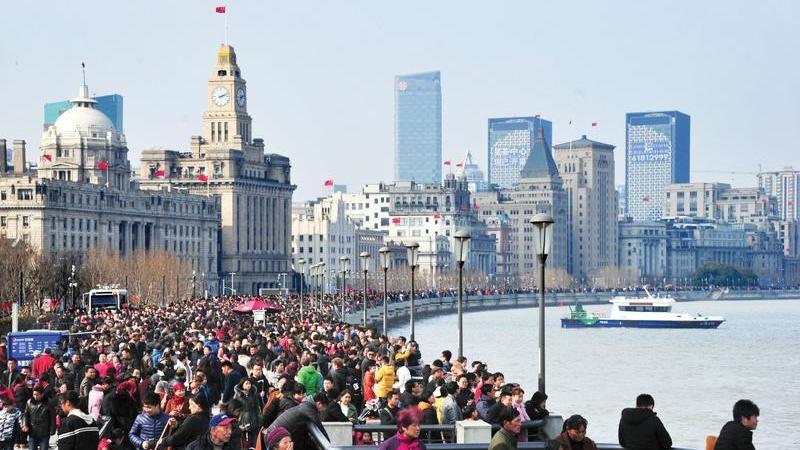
[(645, 308)]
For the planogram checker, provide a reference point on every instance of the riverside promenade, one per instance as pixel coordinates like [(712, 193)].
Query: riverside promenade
[(398, 311)]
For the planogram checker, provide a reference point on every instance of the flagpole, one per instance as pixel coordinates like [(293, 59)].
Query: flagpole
[(226, 24)]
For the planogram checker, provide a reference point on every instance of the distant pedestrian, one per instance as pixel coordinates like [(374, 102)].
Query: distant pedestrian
[(738, 433), (640, 429)]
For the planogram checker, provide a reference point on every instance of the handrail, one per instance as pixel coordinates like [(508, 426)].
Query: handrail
[(323, 443)]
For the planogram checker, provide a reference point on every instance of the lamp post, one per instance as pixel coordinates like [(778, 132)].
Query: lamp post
[(412, 248), (365, 267), (385, 253), (543, 240), (313, 272), (194, 283), (462, 251), (301, 264), (72, 285), (344, 265), (233, 286), (321, 269)]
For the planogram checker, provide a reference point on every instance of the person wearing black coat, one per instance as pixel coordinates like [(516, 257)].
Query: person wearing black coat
[(194, 425), (738, 433), (297, 419), (232, 378), (641, 429), (39, 420)]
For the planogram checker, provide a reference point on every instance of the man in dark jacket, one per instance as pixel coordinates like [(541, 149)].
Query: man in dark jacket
[(640, 429), (218, 436), (39, 420), (232, 378), (297, 419), (149, 425), (77, 431), (738, 433)]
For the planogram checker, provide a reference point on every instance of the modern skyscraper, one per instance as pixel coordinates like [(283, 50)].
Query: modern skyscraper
[(785, 185), (587, 171), (656, 155), (510, 142), (110, 105), (418, 128)]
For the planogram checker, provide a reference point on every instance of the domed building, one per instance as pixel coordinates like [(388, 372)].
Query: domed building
[(84, 146), (81, 197)]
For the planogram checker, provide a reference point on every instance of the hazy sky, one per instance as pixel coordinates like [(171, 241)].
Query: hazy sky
[(320, 73)]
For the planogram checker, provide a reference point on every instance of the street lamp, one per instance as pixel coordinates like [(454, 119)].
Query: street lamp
[(344, 263), (412, 248), (233, 286), (543, 240), (365, 267), (194, 283), (385, 254), (462, 251), (72, 285), (321, 269), (301, 264)]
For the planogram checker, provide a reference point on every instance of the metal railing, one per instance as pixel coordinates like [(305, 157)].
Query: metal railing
[(323, 443)]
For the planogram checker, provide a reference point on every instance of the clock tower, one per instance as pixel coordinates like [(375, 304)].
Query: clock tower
[(226, 123)]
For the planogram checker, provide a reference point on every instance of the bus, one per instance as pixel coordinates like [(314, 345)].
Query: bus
[(97, 299)]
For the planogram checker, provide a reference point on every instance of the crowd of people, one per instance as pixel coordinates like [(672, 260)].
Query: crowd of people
[(195, 375)]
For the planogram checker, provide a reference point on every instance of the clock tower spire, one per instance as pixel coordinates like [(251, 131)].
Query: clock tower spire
[(226, 123)]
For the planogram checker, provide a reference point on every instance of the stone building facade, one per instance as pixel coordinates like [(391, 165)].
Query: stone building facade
[(253, 188)]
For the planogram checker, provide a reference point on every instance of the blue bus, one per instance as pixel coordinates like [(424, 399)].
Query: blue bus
[(109, 298)]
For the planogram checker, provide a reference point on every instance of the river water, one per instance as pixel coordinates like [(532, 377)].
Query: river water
[(694, 375)]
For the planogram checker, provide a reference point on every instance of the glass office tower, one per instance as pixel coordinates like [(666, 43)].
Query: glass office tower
[(656, 155), (418, 128), (510, 142)]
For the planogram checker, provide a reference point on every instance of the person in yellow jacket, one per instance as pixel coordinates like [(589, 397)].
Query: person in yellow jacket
[(384, 378)]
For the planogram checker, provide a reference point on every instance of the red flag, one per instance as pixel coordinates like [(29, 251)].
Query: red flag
[(160, 173), (475, 207), (646, 198), (537, 116), (447, 163), (48, 157), (594, 124), (328, 182), (220, 10), (461, 164), (437, 216), (102, 165), (395, 220), (202, 178)]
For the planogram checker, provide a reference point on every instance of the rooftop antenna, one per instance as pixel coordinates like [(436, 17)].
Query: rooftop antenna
[(83, 70)]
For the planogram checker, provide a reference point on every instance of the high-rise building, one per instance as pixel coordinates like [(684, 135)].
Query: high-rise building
[(656, 155), (539, 190), (110, 105), (587, 171), (510, 143), (418, 128), (785, 186), (474, 175), (254, 187)]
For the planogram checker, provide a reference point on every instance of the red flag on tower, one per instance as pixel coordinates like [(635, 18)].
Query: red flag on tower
[(395, 220), (594, 124), (329, 182), (220, 10), (102, 165), (203, 178), (461, 164), (447, 162)]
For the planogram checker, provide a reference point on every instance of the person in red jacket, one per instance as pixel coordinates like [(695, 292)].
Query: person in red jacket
[(42, 363)]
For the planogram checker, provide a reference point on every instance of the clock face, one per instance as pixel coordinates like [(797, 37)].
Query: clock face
[(220, 96), (240, 96)]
